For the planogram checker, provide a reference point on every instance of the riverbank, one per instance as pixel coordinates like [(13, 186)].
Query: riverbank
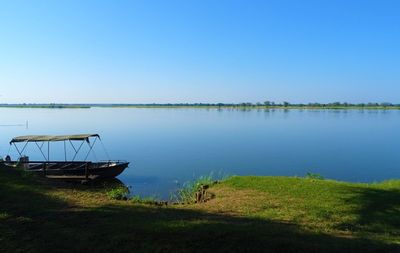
[(50, 106), (275, 214)]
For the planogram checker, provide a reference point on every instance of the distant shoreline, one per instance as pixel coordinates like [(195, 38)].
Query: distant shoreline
[(46, 106), (200, 106)]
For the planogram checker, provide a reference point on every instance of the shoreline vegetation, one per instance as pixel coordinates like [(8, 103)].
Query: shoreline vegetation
[(265, 105), (246, 214)]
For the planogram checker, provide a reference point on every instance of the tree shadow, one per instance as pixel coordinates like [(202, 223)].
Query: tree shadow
[(378, 210), (31, 221)]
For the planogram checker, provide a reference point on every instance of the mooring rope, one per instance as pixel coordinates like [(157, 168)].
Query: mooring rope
[(105, 150)]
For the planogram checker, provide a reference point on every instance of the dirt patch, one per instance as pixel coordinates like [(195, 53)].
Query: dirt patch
[(235, 202)]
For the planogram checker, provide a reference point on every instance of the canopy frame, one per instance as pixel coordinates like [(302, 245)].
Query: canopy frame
[(53, 138), (49, 138)]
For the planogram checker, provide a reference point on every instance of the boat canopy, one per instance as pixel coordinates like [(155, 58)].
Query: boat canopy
[(52, 138)]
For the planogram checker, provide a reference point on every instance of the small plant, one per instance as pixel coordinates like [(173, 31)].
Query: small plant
[(118, 193), (144, 200), (187, 192), (317, 176)]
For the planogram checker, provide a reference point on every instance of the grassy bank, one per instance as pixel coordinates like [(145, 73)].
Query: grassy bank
[(264, 214)]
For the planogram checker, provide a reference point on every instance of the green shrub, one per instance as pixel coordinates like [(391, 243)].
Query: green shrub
[(317, 176), (118, 193), (187, 192)]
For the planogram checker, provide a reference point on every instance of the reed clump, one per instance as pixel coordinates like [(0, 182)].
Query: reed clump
[(195, 191)]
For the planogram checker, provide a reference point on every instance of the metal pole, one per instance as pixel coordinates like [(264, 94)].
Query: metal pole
[(72, 145), (78, 150), (17, 149), (40, 148), (48, 151), (90, 148), (23, 149)]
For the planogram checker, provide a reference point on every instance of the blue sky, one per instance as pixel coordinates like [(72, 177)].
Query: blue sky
[(199, 51)]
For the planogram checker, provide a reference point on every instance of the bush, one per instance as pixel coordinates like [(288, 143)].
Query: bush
[(317, 176), (118, 193), (187, 192)]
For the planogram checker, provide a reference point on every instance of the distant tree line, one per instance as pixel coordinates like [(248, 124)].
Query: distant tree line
[(268, 104)]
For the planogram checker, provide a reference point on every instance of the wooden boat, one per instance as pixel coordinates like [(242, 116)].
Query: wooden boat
[(65, 170)]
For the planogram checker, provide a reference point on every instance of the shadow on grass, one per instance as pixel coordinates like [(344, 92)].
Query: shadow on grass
[(378, 210), (31, 221)]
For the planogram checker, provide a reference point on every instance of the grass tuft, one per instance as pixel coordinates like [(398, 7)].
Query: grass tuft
[(316, 176), (187, 193), (144, 200), (118, 193)]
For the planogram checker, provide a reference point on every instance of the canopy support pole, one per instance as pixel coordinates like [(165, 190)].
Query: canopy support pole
[(91, 147), (23, 149), (41, 151), (17, 149), (78, 150), (72, 145)]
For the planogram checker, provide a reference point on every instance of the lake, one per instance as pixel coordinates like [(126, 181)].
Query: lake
[(168, 146)]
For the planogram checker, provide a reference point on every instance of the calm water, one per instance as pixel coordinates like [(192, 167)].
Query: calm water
[(170, 146)]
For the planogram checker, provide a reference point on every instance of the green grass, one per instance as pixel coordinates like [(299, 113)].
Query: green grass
[(118, 193), (311, 175), (248, 214), (366, 210), (144, 200)]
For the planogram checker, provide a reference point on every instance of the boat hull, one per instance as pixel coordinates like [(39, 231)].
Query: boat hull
[(74, 170)]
